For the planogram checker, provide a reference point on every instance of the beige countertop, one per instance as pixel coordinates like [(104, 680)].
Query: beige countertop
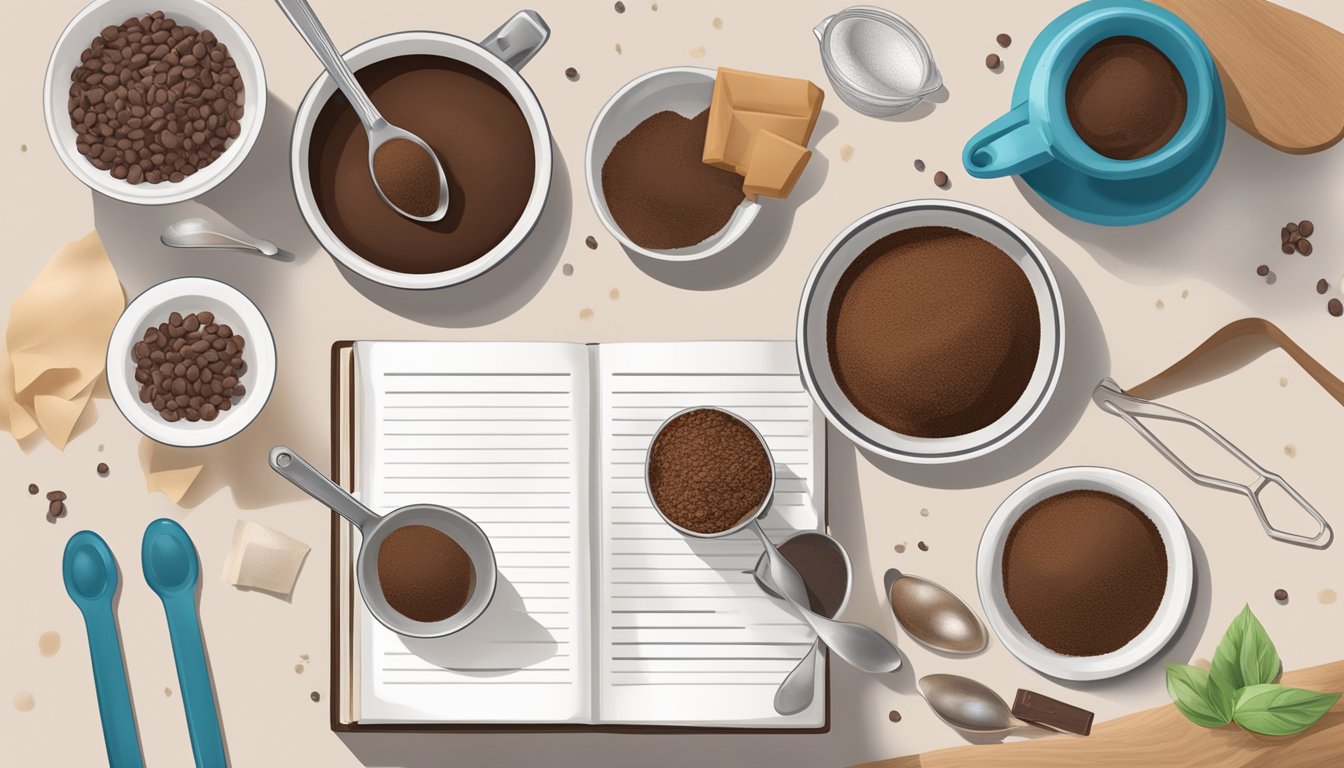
[(1136, 299)]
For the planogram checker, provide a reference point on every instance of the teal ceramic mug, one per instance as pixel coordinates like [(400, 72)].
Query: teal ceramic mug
[(1037, 130)]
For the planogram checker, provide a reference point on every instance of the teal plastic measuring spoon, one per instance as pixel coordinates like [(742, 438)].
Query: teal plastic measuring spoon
[(172, 570), (90, 573)]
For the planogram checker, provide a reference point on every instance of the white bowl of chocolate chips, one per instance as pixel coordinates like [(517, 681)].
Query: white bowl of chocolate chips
[(153, 104)]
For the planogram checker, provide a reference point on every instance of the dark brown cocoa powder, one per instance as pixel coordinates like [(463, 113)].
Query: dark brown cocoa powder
[(659, 190), (707, 470), (933, 332), (1125, 98), (405, 173), (425, 575), (822, 567), (1084, 571)]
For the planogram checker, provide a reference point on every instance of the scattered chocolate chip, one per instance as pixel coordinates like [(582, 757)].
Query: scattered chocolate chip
[(572, 73), (1286, 248), (1003, 40), (1292, 226), (894, 716), (315, 696), (923, 547), (620, 7), (1262, 270), (919, 165), (56, 509), (1303, 246), (56, 496), (33, 489), (1293, 237), (1284, 234), (940, 179), (1322, 285), (567, 270), (591, 242), (1306, 228), (1336, 307), (1281, 595), (993, 61)]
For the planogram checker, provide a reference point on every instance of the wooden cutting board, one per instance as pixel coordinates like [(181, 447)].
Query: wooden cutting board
[(1282, 72), (1163, 737)]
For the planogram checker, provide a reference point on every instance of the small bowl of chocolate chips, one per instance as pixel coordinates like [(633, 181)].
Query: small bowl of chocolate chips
[(191, 362), (153, 104)]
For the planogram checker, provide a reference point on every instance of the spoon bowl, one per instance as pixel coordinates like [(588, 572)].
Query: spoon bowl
[(90, 571), (932, 615), (967, 705), (170, 562), (199, 234)]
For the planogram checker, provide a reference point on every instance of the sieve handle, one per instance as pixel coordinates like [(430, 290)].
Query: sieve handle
[(293, 468)]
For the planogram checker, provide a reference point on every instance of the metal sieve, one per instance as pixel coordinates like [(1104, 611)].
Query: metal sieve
[(876, 61)]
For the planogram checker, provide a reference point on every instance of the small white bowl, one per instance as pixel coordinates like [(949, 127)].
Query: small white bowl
[(81, 30), (814, 359), (186, 295), (1170, 612), (686, 91)]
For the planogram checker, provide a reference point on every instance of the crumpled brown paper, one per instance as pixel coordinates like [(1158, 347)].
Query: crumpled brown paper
[(56, 342)]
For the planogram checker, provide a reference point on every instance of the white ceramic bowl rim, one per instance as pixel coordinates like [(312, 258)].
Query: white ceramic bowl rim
[(935, 451), (737, 225), (153, 302), (426, 42), (1170, 612), (199, 14)]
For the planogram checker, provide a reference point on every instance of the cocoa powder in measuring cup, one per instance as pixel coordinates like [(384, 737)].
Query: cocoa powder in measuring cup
[(708, 470), (425, 575)]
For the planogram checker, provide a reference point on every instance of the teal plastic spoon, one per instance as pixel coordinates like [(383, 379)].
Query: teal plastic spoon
[(172, 570), (90, 573)]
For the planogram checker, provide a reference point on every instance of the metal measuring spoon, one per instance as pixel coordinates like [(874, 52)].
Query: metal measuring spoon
[(201, 234), (968, 705), (172, 570), (380, 131), (90, 573), (932, 615)]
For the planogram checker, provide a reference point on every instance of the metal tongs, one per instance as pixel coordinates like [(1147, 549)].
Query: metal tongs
[(1110, 398)]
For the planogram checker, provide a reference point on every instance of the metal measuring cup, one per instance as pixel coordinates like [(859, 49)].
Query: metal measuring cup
[(863, 647), (374, 529)]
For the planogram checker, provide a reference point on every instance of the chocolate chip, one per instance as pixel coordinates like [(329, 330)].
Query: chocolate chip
[(315, 696), (620, 7), (923, 547), (1306, 228), (102, 469), (1292, 226), (1286, 248), (1322, 286), (919, 165), (1336, 307), (1003, 40), (56, 496), (993, 61), (33, 489), (1262, 270), (894, 716), (940, 179), (591, 242), (202, 360), (56, 509), (1285, 234), (572, 73), (1303, 246), (1281, 595)]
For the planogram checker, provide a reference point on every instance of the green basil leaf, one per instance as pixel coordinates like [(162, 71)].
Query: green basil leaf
[(1277, 710), (1201, 702), (1259, 660), (1227, 658)]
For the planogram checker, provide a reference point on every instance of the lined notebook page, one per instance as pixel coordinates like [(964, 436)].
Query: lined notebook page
[(684, 636), (498, 432)]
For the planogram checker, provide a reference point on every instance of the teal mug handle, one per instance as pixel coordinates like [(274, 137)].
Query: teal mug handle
[(1010, 145)]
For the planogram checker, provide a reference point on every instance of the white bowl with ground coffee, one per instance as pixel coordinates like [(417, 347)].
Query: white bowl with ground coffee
[(153, 103), (472, 107), (1085, 573), (931, 332)]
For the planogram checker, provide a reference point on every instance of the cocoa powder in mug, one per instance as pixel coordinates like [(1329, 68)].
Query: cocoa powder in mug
[(933, 332), (1084, 572), (708, 470), (425, 575), (1125, 98)]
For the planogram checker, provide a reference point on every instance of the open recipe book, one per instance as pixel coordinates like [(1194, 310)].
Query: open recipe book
[(603, 615)]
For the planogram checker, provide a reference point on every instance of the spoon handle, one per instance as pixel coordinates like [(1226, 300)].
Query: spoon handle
[(293, 468), (303, 18), (193, 676), (799, 687), (109, 681)]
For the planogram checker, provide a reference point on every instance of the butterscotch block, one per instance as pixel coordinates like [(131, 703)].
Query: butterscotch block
[(774, 166), (744, 104)]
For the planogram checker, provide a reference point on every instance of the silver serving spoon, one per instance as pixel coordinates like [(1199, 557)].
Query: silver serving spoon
[(968, 705), (199, 233), (932, 615), (380, 131), (799, 686)]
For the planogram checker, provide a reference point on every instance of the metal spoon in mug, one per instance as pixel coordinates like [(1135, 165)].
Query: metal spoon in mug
[(380, 131), (968, 705), (201, 234), (932, 615)]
